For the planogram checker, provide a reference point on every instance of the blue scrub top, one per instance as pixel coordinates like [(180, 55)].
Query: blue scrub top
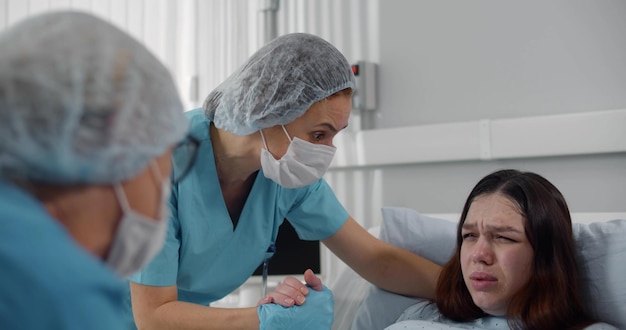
[(48, 281), (203, 256)]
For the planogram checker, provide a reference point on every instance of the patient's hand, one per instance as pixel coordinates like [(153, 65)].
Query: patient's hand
[(291, 291)]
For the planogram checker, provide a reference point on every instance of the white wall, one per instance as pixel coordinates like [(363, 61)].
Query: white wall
[(451, 60), (444, 61)]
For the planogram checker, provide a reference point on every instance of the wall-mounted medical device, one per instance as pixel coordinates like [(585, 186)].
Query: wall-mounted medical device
[(364, 98)]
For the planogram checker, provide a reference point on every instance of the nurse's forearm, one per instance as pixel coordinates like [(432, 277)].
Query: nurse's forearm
[(405, 273), (386, 266), (187, 316)]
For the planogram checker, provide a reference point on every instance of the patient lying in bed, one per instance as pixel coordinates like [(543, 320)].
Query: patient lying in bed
[(514, 265)]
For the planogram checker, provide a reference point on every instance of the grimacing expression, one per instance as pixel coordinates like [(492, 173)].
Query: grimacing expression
[(496, 256)]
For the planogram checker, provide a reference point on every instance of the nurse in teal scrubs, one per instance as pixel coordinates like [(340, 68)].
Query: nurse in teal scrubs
[(88, 121), (264, 139)]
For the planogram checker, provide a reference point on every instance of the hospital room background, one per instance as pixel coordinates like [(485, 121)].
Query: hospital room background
[(448, 90)]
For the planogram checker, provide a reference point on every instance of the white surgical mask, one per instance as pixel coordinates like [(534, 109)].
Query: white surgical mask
[(138, 238), (303, 163)]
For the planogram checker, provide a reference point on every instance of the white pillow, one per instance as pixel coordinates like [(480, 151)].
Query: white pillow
[(601, 250)]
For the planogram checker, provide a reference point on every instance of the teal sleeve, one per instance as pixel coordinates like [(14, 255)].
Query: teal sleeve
[(317, 214), (48, 281), (85, 301), (91, 309)]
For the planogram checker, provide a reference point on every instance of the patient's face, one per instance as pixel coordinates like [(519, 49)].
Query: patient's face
[(496, 257)]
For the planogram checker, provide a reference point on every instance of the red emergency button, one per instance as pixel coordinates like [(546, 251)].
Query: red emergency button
[(355, 70)]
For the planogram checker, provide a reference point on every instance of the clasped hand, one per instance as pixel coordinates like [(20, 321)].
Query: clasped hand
[(296, 305), (291, 291)]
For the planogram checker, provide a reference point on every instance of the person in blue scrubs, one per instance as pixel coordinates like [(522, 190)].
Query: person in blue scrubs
[(265, 139), (88, 119)]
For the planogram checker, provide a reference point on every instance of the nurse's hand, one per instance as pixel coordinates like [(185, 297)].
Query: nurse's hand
[(316, 314), (291, 291)]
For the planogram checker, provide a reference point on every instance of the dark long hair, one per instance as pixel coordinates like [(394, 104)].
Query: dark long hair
[(551, 299)]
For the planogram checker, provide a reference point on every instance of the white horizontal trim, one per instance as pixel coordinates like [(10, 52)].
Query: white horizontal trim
[(572, 134), (539, 136)]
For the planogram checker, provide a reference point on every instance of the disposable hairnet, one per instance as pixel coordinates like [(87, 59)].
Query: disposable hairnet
[(82, 102), (278, 84)]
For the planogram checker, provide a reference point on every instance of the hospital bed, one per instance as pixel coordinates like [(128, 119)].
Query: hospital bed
[(601, 248)]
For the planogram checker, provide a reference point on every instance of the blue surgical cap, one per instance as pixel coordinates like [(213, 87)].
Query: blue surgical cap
[(278, 84), (82, 102)]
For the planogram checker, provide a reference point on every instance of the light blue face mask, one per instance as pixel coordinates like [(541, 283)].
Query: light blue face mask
[(138, 238), (303, 163)]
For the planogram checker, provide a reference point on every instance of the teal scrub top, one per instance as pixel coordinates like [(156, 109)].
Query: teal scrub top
[(204, 256), (47, 281)]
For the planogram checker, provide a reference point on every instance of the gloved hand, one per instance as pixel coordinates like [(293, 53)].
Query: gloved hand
[(315, 314)]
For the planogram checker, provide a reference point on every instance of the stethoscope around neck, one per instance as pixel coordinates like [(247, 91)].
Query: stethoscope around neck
[(266, 264)]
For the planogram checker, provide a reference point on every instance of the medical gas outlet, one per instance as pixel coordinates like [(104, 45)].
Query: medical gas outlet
[(364, 98)]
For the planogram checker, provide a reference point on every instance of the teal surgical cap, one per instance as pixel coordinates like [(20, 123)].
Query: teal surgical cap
[(278, 83), (82, 102)]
